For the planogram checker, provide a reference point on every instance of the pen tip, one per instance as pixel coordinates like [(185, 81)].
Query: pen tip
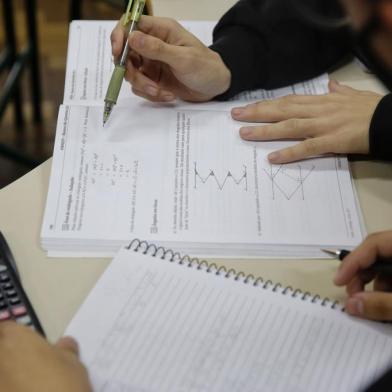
[(330, 252)]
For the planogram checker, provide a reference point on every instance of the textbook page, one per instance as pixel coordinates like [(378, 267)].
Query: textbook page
[(152, 325), (185, 179), (90, 62)]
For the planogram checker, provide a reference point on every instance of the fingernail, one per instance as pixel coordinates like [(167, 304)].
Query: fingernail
[(168, 97), (151, 90), (237, 112), (354, 306), (274, 157), (245, 132)]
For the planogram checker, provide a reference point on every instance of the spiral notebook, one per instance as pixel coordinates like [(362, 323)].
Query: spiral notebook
[(157, 321)]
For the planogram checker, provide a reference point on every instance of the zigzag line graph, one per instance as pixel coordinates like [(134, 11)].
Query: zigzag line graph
[(294, 182), (221, 183)]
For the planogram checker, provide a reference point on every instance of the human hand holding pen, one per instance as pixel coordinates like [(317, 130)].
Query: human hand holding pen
[(355, 275), (167, 61)]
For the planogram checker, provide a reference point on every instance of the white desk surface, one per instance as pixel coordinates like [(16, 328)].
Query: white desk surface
[(57, 287)]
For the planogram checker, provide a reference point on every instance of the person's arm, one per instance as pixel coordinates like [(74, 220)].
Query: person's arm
[(265, 44), (257, 44), (29, 363), (383, 384), (380, 132)]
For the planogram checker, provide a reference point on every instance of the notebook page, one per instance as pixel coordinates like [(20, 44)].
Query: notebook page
[(205, 192), (152, 325)]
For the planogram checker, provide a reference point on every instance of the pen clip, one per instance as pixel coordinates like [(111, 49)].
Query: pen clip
[(136, 13), (127, 16)]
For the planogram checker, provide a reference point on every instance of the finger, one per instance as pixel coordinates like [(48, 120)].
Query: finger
[(166, 29), (139, 81), (292, 106), (371, 305), (155, 49), (307, 148), (288, 129), (379, 244), (117, 39), (136, 60), (162, 96), (382, 283), (152, 69), (68, 344), (358, 283), (336, 87)]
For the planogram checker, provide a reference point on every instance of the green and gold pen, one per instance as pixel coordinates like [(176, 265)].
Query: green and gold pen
[(129, 21)]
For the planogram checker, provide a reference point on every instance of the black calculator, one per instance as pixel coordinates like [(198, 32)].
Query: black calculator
[(14, 304)]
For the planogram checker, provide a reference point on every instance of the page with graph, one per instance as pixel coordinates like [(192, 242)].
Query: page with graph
[(184, 179)]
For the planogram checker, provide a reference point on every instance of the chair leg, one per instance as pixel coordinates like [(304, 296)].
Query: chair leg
[(34, 61), (11, 45), (75, 10)]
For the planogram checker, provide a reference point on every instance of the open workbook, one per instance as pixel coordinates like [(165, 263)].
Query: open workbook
[(159, 322), (179, 174)]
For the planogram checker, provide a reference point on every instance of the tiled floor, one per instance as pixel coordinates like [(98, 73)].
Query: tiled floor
[(52, 18)]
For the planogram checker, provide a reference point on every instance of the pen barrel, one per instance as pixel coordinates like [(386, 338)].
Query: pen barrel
[(115, 84), (343, 254), (383, 267)]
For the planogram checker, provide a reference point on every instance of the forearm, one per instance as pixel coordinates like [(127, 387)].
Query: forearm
[(265, 45)]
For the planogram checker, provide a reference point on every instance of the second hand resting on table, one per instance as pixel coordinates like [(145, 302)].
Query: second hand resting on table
[(167, 62)]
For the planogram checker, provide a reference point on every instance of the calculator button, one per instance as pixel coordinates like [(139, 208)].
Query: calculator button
[(5, 315), (14, 301), (7, 286), (25, 320), (3, 305), (4, 278), (11, 293), (1, 296), (18, 311), (3, 268)]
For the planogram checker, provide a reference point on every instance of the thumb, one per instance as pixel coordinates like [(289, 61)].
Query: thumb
[(374, 305), (68, 344), (155, 49)]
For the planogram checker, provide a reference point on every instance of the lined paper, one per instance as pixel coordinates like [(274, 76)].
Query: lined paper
[(152, 325)]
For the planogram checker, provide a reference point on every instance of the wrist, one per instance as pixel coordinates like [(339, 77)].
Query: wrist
[(219, 79), (225, 76)]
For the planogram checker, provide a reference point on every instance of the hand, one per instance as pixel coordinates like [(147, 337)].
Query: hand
[(29, 363), (337, 122), (376, 305), (166, 61)]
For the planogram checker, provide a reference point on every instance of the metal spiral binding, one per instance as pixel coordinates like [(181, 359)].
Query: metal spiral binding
[(174, 257)]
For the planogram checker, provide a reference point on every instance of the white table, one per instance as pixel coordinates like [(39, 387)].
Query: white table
[(57, 287)]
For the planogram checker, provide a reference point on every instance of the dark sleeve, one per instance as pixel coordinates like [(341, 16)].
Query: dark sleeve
[(265, 44), (383, 384), (380, 132)]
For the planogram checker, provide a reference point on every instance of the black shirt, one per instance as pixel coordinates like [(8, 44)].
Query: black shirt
[(265, 44)]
